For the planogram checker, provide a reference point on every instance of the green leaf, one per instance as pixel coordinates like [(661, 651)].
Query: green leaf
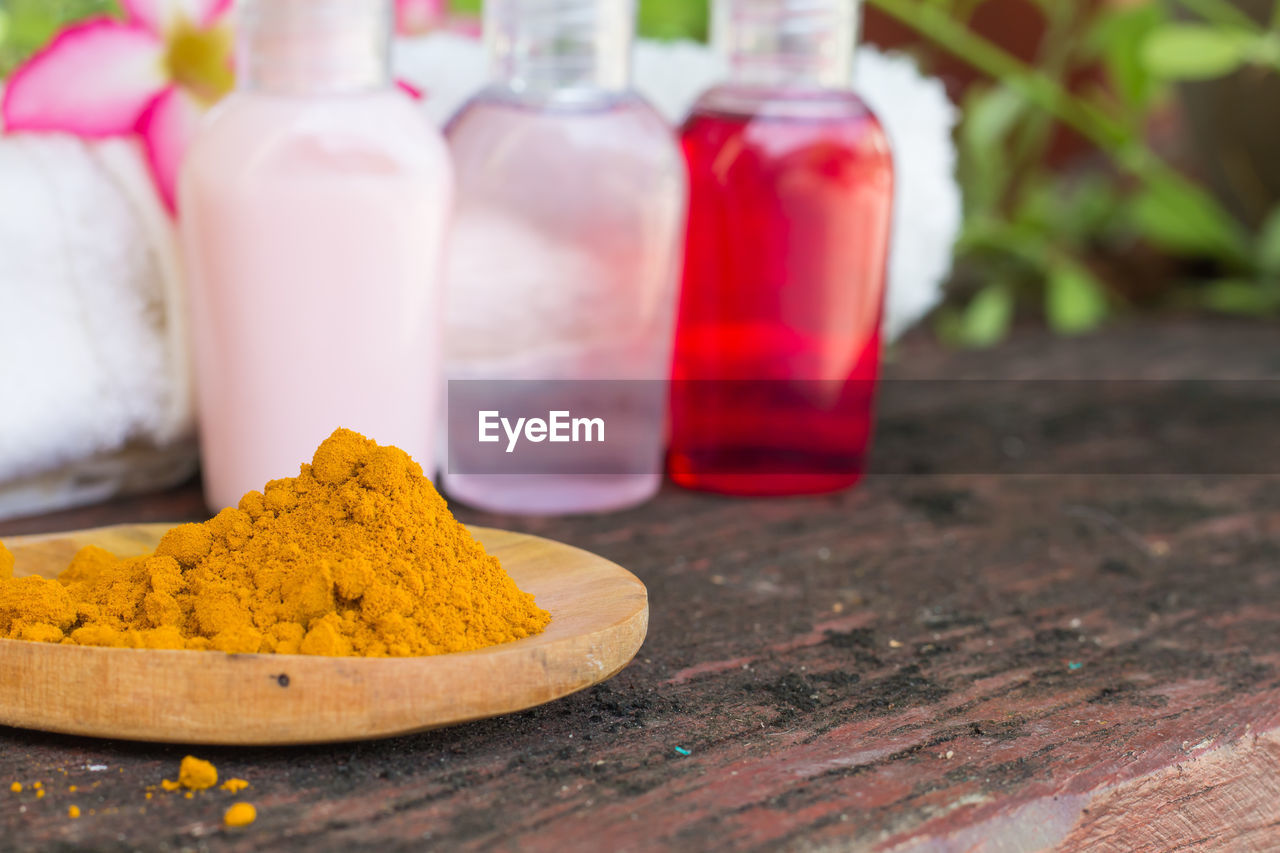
[(29, 24), (659, 19), (990, 116), (1196, 51), (1118, 35), (1037, 204), (1268, 246), (1071, 210), (1075, 301), (1237, 296), (988, 317), (1182, 219), (1087, 207), (1017, 240), (672, 19)]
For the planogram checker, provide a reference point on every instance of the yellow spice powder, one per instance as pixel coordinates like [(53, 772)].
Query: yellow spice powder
[(197, 774), (357, 555), (240, 814)]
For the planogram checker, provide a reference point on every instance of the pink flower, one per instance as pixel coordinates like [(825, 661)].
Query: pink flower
[(414, 17), (154, 73), (418, 17)]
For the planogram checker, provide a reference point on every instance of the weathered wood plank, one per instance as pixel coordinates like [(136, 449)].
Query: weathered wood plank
[(925, 663)]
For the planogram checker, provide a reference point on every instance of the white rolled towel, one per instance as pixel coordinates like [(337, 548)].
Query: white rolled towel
[(95, 391)]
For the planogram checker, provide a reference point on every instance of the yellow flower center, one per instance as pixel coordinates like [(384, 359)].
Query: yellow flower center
[(200, 60)]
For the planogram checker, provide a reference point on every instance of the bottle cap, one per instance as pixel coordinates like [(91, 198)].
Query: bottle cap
[(314, 46), (773, 42), (550, 45)]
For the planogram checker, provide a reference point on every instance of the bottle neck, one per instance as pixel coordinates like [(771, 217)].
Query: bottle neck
[(792, 44), (314, 47), (555, 49)]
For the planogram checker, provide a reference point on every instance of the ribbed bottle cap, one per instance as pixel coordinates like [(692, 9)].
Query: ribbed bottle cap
[(773, 42), (310, 46), (550, 45)]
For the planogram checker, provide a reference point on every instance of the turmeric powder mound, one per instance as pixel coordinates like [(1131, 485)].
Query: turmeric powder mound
[(357, 555), (197, 774)]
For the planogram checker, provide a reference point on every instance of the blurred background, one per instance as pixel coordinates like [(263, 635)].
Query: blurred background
[(1116, 156)]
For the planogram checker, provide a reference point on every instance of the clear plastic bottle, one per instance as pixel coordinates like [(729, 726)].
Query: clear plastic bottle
[(313, 206), (565, 254), (791, 186)]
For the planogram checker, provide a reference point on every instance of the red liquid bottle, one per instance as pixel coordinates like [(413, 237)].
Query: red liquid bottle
[(791, 187)]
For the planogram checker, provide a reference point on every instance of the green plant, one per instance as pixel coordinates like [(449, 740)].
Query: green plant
[(662, 19), (25, 25), (1033, 237), (672, 19)]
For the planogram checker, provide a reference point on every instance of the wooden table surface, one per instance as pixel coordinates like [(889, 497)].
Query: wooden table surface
[(934, 661)]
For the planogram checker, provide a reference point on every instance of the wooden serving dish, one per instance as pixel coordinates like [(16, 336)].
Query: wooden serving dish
[(599, 616)]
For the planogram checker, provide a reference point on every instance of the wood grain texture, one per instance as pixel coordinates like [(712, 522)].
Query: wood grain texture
[(599, 618), (1000, 664)]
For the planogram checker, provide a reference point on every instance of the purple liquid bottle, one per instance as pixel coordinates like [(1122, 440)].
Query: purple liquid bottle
[(566, 251)]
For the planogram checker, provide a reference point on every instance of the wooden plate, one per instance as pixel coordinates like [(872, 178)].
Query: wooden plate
[(599, 616)]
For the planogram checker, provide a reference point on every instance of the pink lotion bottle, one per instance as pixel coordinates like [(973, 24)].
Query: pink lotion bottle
[(313, 204), (565, 259)]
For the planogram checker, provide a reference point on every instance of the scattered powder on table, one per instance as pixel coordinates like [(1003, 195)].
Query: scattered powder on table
[(240, 814), (234, 786), (357, 555), (16, 787), (73, 812)]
